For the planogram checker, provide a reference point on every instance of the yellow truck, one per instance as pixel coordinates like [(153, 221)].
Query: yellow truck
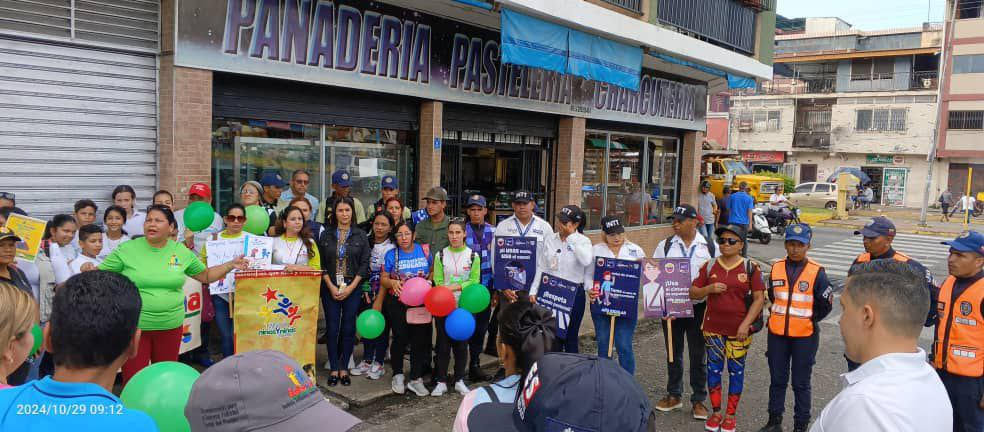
[(725, 169)]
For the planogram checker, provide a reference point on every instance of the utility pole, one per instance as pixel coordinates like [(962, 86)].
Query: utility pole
[(931, 158)]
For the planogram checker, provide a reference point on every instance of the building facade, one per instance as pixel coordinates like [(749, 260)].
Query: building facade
[(842, 97), (962, 130)]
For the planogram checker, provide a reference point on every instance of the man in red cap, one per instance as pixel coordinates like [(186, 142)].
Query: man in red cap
[(195, 240)]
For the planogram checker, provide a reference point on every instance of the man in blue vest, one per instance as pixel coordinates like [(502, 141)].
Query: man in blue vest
[(478, 236)]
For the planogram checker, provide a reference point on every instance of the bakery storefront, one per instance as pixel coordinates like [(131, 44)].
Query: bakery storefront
[(378, 89)]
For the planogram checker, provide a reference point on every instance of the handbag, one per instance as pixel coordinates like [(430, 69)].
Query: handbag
[(759, 323), (418, 315)]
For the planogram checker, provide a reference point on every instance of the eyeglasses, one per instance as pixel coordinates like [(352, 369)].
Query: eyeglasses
[(235, 219), (7, 196), (248, 191), (302, 181), (401, 235), (729, 241)]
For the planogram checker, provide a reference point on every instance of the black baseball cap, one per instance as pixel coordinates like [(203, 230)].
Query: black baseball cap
[(612, 225), (522, 197), (576, 392), (683, 212), (571, 213), (737, 230)]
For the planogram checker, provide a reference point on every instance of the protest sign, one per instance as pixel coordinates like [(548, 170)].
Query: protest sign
[(617, 282), (558, 295), (666, 288), (278, 310), (221, 251), (192, 327), (515, 263), (30, 230), (258, 250)]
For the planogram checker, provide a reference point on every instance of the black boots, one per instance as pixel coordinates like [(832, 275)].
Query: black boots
[(774, 424)]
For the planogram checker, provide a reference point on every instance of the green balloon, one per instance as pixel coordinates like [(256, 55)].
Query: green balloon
[(257, 220), (370, 324), (161, 391), (38, 338), (474, 298), (198, 216)]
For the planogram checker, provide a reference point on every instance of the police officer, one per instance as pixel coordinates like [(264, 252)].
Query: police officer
[(800, 295), (878, 235), (958, 351)]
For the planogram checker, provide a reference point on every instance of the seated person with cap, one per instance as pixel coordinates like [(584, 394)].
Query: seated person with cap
[(93, 330)]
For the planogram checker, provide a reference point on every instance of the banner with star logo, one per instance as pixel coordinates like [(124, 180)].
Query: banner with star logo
[(278, 310)]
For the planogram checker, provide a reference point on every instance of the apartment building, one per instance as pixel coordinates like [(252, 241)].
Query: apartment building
[(962, 133), (846, 97)]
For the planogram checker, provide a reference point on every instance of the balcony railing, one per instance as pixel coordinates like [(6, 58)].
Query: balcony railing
[(827, 83), (811, 140), (632, 5), (726, 23)]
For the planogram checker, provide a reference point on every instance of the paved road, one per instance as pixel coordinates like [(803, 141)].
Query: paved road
[(833, 247)]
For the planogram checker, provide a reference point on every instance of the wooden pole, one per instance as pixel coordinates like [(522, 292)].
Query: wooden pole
[(611, 337), (669, 339)]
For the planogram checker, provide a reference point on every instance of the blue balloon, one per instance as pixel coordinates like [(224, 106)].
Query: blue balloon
[(460, 325)]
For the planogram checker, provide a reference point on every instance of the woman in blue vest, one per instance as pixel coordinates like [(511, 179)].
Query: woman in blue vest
[(478, 237)]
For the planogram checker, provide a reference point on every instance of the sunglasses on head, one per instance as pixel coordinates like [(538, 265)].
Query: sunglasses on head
[(231, 219), (457, 220), (730, 241)]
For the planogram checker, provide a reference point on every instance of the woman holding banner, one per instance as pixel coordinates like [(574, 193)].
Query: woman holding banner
[(454, 266), (615, 246), (158, 265), (568, 255), (408, 260), (346, 263), (235, 218)]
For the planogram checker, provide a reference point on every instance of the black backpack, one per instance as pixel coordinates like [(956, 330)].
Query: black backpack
[(750, 268), (711, 247)]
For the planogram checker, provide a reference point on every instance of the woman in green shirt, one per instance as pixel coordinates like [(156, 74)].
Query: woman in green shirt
[(158, 265), (454, 266)]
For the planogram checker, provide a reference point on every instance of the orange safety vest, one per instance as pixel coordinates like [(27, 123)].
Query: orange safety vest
[(899, 256), (959, 345), (791, 313)]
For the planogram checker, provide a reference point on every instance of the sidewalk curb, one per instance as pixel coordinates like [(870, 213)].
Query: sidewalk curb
[(904, 231)]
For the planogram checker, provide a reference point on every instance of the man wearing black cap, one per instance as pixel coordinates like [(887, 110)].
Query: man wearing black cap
[(567, 254), (570, 392), (478, 236), (878, 234), (959, 332), (686, 243), (523, 223)]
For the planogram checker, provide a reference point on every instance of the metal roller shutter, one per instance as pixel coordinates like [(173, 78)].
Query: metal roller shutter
[(74, 123)]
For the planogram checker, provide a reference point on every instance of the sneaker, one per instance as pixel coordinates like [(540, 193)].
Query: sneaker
[(728, 425), (376, 371), (351, 364), (669, 403), (461, 388), (397, 384), (417, 386), (360, 369), (713, 424), (700, 411), (440, 389)]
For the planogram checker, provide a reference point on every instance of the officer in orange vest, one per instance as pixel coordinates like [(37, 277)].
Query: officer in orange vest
[(801, 297), (878, 235), (958, 351)]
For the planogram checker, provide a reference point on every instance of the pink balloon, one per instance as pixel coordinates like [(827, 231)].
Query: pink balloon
[(414, 291)]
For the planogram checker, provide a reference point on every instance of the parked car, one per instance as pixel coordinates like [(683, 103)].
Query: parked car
[(815, 194)]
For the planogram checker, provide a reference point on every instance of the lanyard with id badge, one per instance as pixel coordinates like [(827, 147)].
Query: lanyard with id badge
[(341, 264)]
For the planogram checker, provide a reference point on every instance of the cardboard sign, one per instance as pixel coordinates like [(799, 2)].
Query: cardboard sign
[(558, 295), (30, 230), (617, 282), (191, 328), (258, 250), (515, 263), (221, 251), (666, 288), (279, 311)]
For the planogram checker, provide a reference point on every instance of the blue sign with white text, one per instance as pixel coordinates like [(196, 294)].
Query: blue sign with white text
[(617, 284), (515, 263), (558, 295)]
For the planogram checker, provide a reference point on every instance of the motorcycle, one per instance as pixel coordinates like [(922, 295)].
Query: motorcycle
[(760, 225), (779, 217)]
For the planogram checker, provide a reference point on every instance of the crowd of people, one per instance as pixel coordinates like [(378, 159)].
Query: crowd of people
[(109, 296)]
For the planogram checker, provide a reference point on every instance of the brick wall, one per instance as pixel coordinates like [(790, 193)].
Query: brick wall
[(185, 115), (569, 163), (431, 126), (690, 167)]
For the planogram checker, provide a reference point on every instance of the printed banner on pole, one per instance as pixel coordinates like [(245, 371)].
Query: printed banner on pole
[(278, 310), (30, 230), (191, 329), (515, 263), (558, 295), (258, 250), (617, 282), (666, 288), (222, 251)]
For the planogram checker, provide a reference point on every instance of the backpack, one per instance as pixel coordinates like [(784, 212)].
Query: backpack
[(750, 268), (711, 247)]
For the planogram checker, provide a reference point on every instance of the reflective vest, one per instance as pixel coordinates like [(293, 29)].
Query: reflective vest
[(959, 345), (899, 256), (792, 308)]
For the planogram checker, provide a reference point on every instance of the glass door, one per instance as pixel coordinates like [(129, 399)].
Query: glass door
[(368, 155)]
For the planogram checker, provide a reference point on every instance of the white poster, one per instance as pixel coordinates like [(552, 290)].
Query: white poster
[(222, 251), (259, 252), (368, 167), (191, 328)]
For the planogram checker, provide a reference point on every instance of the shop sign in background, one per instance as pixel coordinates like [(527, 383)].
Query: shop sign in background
[(383, 48)]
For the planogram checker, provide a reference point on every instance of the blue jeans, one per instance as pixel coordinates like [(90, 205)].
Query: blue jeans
[(709, 232), (624, 328), (223, 319), (570, 344), (340, 320)]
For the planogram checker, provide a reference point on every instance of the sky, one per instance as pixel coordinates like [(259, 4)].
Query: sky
[(867, 14)]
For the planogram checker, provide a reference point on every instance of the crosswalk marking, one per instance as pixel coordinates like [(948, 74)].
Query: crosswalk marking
[(837, 257)]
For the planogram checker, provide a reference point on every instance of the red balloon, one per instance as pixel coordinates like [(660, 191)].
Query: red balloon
[(440, 301)]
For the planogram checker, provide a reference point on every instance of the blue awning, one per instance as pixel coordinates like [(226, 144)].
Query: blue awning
[(734, 81), (541, 44), (477, 3)]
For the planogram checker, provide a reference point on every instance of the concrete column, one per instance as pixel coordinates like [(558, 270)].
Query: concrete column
[(431, 128), (690, 166), (569, 166)]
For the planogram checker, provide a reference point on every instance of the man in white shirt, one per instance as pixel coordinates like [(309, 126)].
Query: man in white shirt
[(966, 206), (523, 223), (300, 180), (686, 243), (196, 240), (884, 308)]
